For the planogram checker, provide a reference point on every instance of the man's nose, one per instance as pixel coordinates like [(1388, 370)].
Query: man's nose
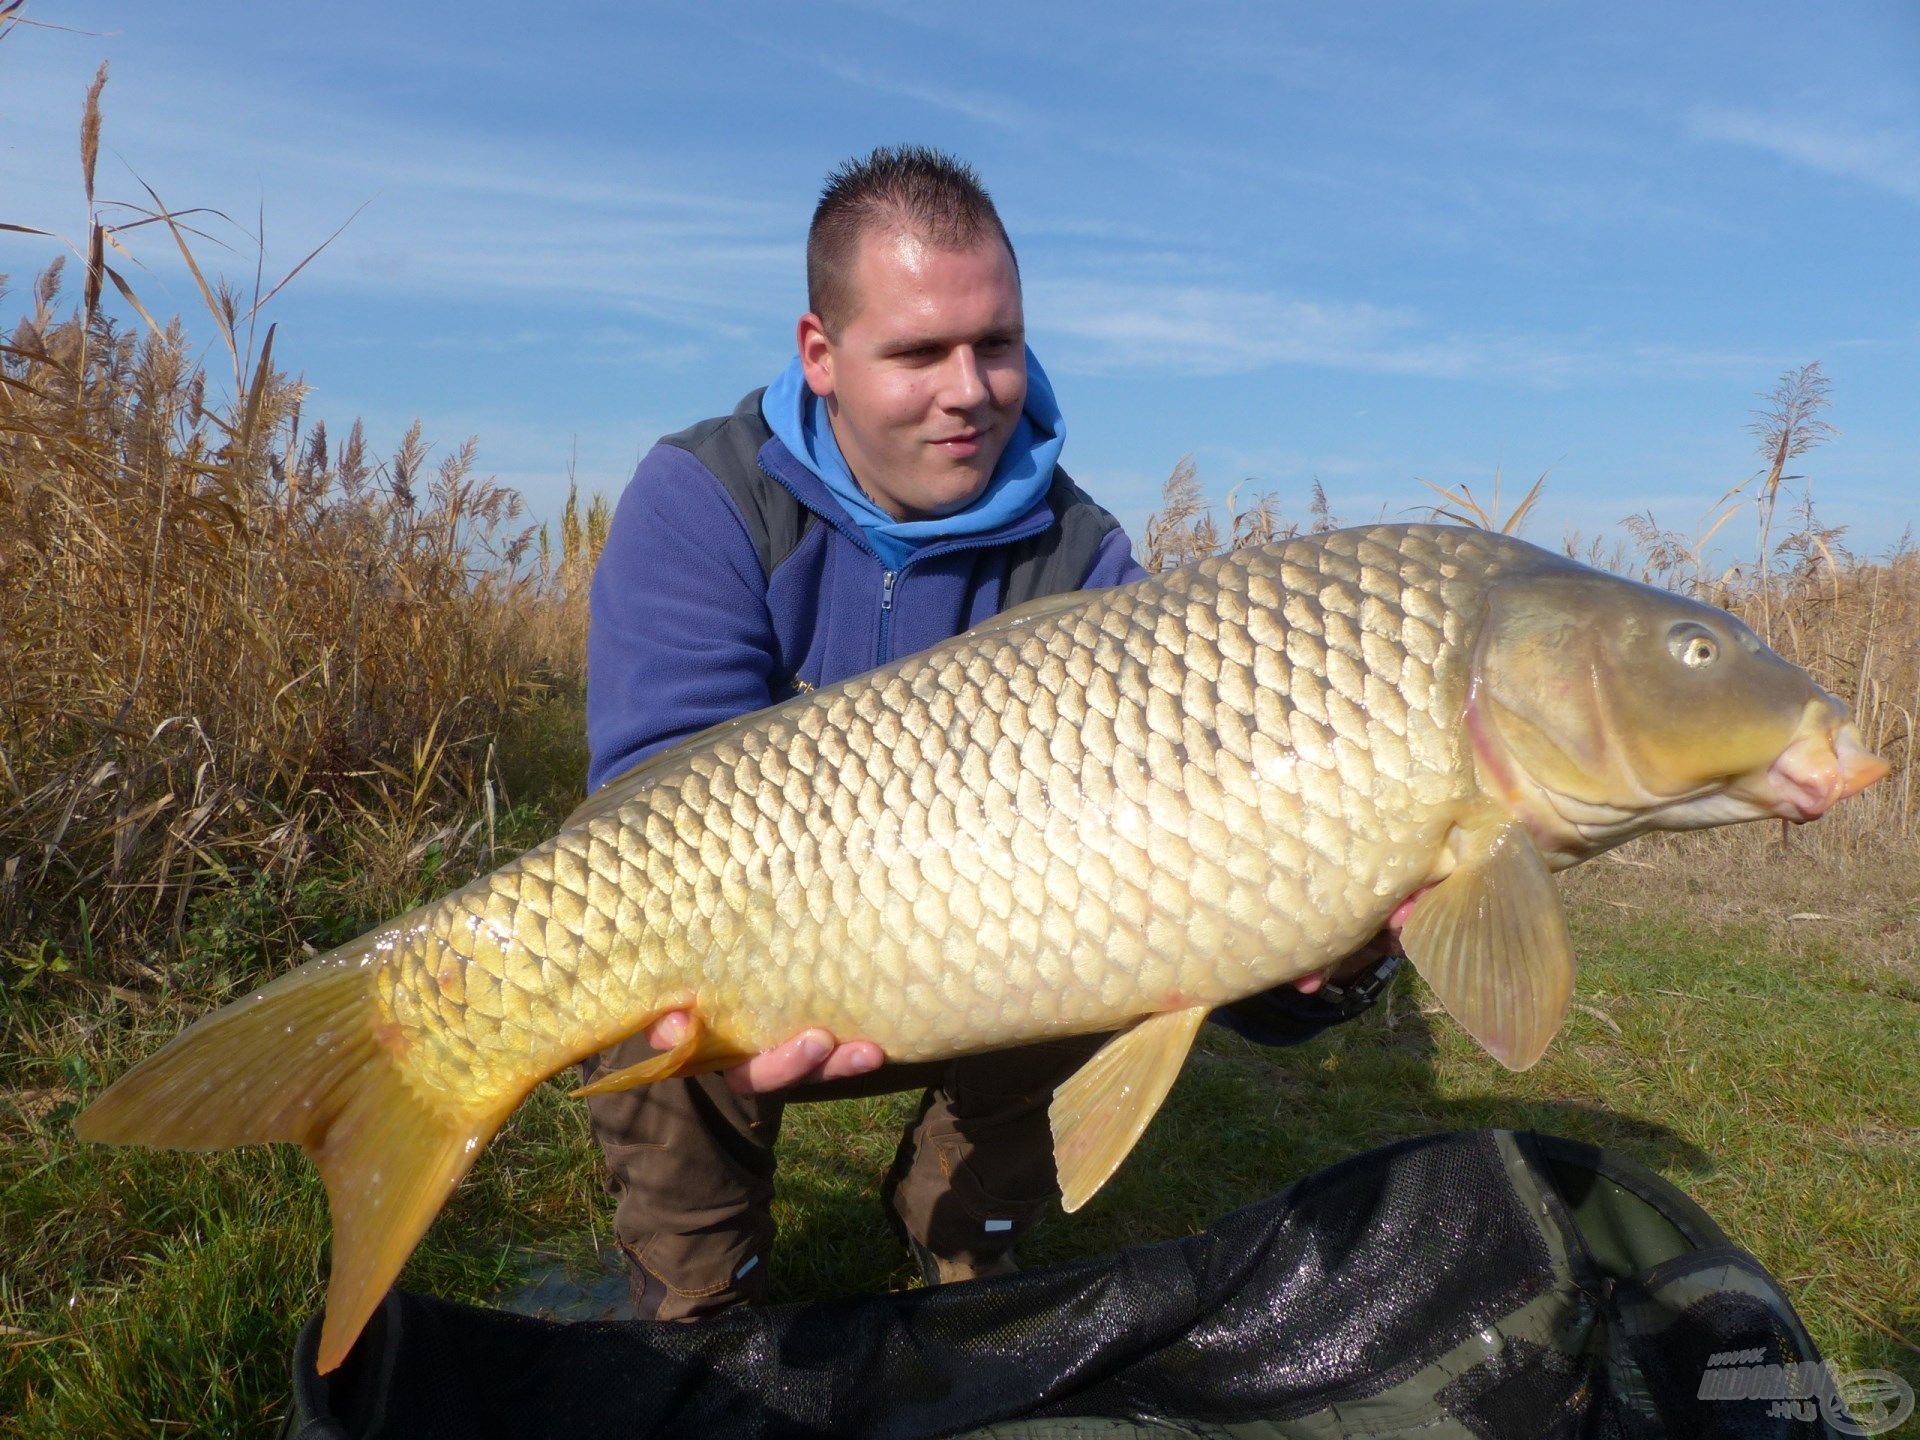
[(966, 387)]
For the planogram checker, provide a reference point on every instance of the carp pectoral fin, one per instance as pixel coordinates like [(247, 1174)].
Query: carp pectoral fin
[(698, 1052), (1491, 939), (1102, 1110)]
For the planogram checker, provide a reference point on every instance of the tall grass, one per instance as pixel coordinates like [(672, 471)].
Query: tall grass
[(230, 640), (222, 636)]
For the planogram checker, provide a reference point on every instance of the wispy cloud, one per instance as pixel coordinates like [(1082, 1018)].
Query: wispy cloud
[(1886, 158), (1112, 326), (1217, 330), (983, 107), (447, 214)]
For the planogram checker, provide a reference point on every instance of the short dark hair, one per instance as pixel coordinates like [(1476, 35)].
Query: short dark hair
[(908, 189)]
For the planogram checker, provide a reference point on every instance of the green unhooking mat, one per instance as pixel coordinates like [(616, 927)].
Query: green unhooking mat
[(1486, 1284)]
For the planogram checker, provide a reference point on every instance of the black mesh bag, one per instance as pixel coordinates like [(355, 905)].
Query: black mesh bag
[(1485, 1284)]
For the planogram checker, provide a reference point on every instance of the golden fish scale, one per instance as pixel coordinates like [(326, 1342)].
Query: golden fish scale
[(1179, 792)]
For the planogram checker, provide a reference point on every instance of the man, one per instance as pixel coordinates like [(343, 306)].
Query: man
[(897, 484)]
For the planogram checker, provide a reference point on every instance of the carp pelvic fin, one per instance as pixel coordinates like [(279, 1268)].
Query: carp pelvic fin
[(698, 1052), (1491, 939), (305, 1060), (1101, 1111)]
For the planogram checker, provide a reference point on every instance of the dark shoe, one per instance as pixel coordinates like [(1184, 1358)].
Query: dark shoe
[(938, 1271), (934, 1269), (654, 1299)]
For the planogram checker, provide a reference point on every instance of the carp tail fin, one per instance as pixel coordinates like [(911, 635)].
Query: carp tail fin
[(389, 1161), (306, 1060), (258, 1069)]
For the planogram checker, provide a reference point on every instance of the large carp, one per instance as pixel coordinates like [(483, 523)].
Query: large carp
[(1115, 809)]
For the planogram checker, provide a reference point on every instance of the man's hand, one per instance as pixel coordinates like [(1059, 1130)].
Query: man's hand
[(810, 1055), (1386, 943)]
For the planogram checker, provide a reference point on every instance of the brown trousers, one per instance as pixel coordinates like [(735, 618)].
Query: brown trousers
[(691, 1164)]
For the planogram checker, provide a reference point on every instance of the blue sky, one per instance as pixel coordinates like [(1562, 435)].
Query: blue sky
[(1371, 243)]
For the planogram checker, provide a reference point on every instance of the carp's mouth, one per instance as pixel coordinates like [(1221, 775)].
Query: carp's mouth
[(1815, 773), (1822, 764)]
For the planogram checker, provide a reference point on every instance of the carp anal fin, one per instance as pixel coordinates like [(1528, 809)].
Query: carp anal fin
[(1491, 939), (1102, 1110), (307, 1060), (698, 1052)]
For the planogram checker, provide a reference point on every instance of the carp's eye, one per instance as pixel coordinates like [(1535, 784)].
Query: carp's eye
[(1693, 645)]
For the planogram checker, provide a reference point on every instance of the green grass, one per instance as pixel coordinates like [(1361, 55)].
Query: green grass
[(150, 1294)]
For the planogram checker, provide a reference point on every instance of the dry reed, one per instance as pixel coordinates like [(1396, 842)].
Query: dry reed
[(228, 641), (222, 635)]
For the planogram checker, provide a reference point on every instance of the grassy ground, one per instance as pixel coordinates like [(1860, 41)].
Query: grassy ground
[(1776, 1081)]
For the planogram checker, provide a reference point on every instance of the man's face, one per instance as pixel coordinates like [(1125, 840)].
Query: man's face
[(929, 375)]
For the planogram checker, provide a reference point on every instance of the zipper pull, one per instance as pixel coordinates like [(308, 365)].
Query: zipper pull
[(886, 590)]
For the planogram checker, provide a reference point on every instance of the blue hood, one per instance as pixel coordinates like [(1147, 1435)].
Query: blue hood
[(1019, 482)]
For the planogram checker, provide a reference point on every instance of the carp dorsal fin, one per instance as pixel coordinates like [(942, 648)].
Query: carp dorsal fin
[(697, 1052), (1032, 610), (1491, 939), (1103, 1108)]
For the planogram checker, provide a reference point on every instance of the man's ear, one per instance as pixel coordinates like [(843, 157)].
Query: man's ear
[(816, 354)]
